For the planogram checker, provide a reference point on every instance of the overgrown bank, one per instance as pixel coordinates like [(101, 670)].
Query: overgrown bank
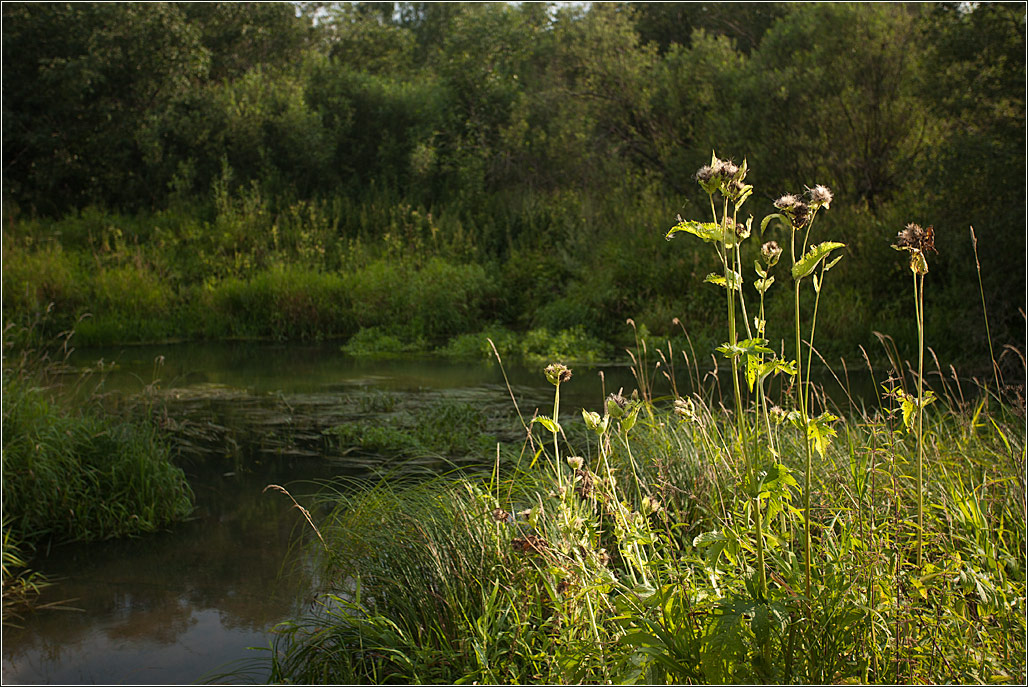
[(624, 549), (72, 472)]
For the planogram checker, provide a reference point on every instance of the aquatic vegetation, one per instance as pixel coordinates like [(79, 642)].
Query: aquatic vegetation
[(422, 432), (535, 345)]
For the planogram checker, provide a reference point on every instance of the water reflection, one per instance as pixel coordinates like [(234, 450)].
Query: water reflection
[(175, 606)]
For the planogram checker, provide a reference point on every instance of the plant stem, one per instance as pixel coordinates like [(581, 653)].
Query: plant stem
[(919, 309), (801, 401), (733, 340)]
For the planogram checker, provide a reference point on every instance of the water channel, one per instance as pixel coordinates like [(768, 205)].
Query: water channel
[(187, 604)]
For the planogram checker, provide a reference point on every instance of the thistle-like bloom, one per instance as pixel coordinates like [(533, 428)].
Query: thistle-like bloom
[(576, 462), (616, 405), (557, 373), (913, 237), (770, 252), (709, 178), (820, 197), (787, 202), (726, 169), (800, 213), (917, 241)]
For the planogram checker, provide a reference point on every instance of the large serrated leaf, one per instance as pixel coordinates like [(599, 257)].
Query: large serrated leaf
[(805, 265), (708, 231)]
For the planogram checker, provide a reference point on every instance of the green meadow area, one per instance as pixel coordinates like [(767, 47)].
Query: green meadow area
[(790, 192)]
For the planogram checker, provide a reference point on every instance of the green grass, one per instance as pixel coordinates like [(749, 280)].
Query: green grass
[(72, 472), (80, 476), (642, 570)]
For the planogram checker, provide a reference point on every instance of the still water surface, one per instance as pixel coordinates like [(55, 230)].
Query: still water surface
[(181, 606)]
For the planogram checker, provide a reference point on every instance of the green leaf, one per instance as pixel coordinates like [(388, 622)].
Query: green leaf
[(805, 265), (762, 285), (708, 231), (775, 215), (719, 280), (757, 370), (820, 432), (747, 347), (628, 421), (547, 423)]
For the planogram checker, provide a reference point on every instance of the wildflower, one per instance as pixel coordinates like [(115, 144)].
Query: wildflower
[(616, 405), (820, 196), (500, 515), (787, 202), (650, 505), (794, 208), (708, 179), (917, 241), (915, 238), (575, 462), (771, 251), (594, 422), (726, 169), (557, 373)]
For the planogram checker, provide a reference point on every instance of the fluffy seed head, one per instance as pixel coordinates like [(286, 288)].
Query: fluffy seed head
[(726, 169), (704, 174), (787, 202), (820, 196), (771, 251)]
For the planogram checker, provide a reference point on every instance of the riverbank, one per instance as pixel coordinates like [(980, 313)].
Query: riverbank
[(628, 552)]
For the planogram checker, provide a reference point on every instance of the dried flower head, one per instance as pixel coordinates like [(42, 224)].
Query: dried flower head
[(770, 252), (799, 214), (557, 373), (726, 169), (708, 178), (583, 483), (786, 202), (575, 462), (820, 196), (913, 237), (529, 544), (917, 241)]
